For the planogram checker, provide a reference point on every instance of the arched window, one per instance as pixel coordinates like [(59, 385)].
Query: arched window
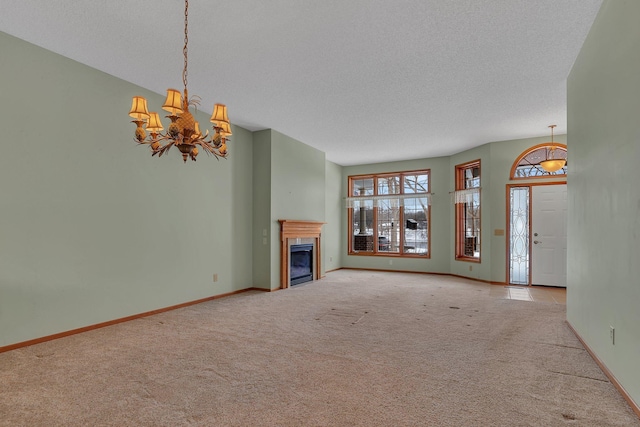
[(527, 165)]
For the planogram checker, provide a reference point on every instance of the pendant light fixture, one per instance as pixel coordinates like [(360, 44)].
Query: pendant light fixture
[(552, 164), (184, 131)]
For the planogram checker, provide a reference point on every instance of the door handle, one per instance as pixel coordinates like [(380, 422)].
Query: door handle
[(535, 242)]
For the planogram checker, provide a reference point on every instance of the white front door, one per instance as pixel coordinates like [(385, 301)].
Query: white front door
[(549, 235)]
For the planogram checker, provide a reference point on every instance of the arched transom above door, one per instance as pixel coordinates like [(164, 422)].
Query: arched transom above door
[(527, 165)]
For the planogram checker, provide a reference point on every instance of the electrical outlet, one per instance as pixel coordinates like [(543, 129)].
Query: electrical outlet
[(215, 277), (264, 240), (390, 262), (471, 268), (612, 334), (330, 259)]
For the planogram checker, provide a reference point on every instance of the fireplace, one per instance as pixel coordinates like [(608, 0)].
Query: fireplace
[(299, 233), (301, 265)]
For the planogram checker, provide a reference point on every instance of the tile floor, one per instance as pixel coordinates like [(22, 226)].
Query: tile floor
[(531, 293)]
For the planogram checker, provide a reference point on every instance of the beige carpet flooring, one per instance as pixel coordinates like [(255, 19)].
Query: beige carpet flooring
[(357, 348)]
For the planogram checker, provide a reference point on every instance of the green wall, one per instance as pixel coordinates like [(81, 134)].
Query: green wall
[(297, 189), (496, 161), (603, 192), (333, 231), (474, 270), (92, 227), (262, 235), (290, 179), (440, 218), (502, 155), (241, 206)]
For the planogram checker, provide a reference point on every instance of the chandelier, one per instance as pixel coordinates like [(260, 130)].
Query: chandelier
[(551, 164), (184, 131)]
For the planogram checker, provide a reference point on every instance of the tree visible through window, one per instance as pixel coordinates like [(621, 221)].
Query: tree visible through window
[(389, 214), (467, 199)]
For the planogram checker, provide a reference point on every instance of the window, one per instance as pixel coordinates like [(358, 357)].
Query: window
[(519, 257), (389, 214), (527, 165), (467, 199)]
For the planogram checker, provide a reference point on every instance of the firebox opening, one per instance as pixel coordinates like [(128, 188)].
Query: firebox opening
[(301, 257)]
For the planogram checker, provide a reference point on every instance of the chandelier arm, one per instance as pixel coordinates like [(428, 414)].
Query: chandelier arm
[(207, 147), (164, 148), (161, 137), (213, 153)]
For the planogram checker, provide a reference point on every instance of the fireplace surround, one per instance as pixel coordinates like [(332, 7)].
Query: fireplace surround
[(297, 232)]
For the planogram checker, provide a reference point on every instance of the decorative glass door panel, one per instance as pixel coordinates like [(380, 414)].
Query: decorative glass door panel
[(519, 236)]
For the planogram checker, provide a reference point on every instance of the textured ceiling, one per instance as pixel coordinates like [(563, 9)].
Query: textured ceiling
[(365, 81)]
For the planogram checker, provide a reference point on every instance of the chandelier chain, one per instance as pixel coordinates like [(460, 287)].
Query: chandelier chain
[(185, 50)]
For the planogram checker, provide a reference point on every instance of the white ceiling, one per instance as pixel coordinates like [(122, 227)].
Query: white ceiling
[(365, 81)]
